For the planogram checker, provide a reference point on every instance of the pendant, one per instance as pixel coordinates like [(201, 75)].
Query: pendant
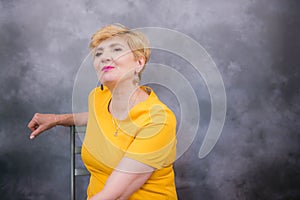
[(117, 128)]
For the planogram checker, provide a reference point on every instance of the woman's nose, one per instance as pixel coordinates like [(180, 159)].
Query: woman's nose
[(106, 57)]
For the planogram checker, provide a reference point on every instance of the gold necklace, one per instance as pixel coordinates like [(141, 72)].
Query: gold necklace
[(117, 127), (115, 122)]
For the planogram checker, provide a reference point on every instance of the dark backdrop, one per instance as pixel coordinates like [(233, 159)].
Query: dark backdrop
[(255, 44)]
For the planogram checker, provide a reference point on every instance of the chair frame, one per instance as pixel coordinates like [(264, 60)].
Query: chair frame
[(73, 151)]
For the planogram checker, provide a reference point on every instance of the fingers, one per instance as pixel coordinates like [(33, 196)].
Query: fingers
[(40, 123), (36, 132), (32, 125), (35, 126)]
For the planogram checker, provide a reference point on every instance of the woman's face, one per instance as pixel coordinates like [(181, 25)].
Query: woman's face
[(114, 61)]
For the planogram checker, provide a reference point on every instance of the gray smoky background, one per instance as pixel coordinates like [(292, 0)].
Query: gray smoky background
[(254, 43)]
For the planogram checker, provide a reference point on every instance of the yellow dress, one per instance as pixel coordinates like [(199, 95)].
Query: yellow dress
[(147, 135)]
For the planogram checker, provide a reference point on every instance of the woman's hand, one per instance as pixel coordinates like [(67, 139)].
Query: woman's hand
[(40, 123)]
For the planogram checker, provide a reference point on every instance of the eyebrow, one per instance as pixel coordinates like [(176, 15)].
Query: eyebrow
[(111, 45)]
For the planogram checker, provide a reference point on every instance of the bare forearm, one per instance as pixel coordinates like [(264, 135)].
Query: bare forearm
[(78, 119), (42, 122), (121, 185), (135, 185)]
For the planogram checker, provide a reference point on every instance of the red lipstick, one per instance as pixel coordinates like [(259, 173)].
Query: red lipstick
[(107, 68)]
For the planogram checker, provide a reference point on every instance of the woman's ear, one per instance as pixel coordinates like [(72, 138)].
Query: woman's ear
[(141, 62)]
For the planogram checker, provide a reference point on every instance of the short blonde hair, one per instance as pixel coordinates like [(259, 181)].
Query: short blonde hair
[(137, 42)]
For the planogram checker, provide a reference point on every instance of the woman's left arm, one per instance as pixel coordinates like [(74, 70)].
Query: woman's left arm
[(128, 177)]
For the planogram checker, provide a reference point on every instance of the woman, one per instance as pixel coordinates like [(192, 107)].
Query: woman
[(130, 142)]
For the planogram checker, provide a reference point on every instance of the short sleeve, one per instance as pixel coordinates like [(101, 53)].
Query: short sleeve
[(155, 143)]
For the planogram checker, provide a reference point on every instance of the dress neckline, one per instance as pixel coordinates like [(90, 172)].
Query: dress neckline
[(147, 89)]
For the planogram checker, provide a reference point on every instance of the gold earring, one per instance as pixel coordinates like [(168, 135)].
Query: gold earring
[(136, 79)]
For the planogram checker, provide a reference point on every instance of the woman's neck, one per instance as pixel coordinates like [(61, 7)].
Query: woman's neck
[(124, 97)]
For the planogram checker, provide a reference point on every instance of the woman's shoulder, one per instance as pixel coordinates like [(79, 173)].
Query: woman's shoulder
[(155, 109)]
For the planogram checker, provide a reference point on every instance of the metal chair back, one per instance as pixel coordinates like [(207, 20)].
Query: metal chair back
[(75, 132)]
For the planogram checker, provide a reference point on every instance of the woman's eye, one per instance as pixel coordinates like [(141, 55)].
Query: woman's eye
[(117, 49), (98, 54)]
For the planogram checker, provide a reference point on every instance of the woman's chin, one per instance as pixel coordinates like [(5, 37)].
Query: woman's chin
[(108, 83), (107, 80)]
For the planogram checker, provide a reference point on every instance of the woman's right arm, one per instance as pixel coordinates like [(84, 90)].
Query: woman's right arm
[(42, 122)]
